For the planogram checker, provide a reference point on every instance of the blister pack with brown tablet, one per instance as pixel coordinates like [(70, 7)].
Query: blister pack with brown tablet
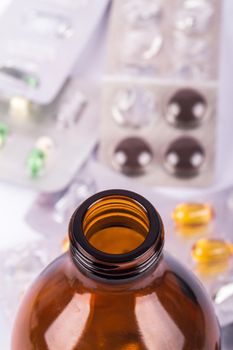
[(161, 91)]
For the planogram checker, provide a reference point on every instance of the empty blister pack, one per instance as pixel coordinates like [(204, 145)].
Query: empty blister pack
[(163, 133), (165, 39), (43, 146), (21, 266), (40, 42)]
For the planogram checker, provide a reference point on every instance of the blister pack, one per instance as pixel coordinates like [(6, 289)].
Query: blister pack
[(21, 265), (161, 133), (164, 39), (160, 102), (57, 208), (40, 42), (43, 146)]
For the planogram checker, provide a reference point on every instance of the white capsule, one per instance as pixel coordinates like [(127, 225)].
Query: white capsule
[(45, 144), (20, 107)]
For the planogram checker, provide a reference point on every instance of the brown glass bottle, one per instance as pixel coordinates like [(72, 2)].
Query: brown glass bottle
[(116, 289)]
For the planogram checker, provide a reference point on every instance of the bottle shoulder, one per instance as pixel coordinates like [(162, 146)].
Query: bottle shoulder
[(167, 275)]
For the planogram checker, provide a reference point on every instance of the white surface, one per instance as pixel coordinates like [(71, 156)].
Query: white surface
[(14, 204), (3, 5)]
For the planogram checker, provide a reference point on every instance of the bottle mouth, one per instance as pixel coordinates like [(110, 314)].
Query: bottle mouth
[(116, 224), (115, 234)]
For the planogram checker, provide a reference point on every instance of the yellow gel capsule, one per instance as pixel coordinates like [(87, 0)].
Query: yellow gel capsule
[(212, 256), (192, 214), (212, 251)]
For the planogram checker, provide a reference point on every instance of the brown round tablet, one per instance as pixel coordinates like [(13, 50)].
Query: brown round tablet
[(186, 108), (184, 157), (132, 156)]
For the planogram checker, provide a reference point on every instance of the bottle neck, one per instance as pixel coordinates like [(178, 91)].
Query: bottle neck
[(116, 235)]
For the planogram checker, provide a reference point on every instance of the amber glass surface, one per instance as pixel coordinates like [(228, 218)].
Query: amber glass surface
[(162, 308)]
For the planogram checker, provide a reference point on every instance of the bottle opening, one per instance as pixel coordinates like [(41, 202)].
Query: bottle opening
[(116, 224), (116, 234)]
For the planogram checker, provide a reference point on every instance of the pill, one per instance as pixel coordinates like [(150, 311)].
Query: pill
[(212, 250), (212, 256), (3, 134), (20, 107), (192, 214), (45, 144), (132, 156), (186, 108), (184, 157), (36, 162)]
